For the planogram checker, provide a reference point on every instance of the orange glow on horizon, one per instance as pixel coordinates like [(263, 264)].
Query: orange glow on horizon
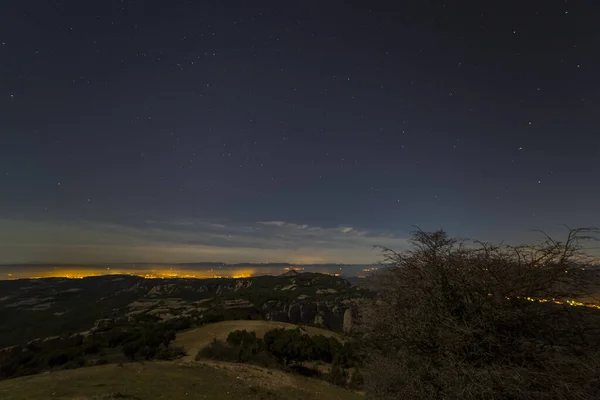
[(148, 273)]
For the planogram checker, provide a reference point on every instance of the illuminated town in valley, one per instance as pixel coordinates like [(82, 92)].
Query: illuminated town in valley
[(221, 272), (174, 271)]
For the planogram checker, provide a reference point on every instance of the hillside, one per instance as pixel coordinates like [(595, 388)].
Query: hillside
[(195, 339), (57, 323), (41, 308), (170, 380)]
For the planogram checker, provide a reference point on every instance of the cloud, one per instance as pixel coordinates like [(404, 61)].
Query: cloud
[(273, 223), (24, 241), (183, 223)]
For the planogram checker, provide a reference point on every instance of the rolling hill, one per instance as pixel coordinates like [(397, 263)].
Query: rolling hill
[(171, 380), (195, 339)]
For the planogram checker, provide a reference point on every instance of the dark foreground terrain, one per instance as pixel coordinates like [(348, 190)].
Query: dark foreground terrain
[(171, 380), (57, 323)]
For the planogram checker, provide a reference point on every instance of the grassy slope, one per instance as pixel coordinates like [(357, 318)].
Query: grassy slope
[(195, 339), (170, 380)]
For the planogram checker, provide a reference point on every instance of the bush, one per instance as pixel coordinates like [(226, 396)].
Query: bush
[(264, 359), (180, 324), (304, 371), (293, 346), (143, 340), (323, 348), (284, 348), (242, 338), (91, 348), (76, 363), (59, 358), (356, 380), (170, 352), (288, 345), (452, 321), (119, 337), (337, 375), (130, 349), (218, 350), (212, 317)]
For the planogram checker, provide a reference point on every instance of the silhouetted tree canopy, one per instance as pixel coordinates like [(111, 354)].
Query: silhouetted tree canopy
[(458, 320)]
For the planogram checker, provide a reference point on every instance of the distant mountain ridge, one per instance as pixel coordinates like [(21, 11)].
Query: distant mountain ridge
[(200, 264)]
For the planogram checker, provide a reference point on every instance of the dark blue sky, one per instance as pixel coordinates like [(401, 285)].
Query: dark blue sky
[(248, 131)]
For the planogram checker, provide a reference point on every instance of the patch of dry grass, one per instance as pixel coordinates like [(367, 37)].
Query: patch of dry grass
[(170, 380)]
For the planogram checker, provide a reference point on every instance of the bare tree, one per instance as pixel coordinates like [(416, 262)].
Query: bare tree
[(472, 320)]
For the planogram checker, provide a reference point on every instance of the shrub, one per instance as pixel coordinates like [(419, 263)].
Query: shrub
[(292, 345), (264, 359), (452, 321), (143, 340), (22, 363), (288, 345), (304, 371), (130, 349), (118, 337), (91, 348), (181, 324), (321, 348), (212, 317), (284, 348), (76, 363), (337, 375), (170, 352), (356, 380), (59, 358), (242, 338), (218, 350)]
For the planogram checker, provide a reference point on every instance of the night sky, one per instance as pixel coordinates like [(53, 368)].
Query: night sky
[(171, 131)]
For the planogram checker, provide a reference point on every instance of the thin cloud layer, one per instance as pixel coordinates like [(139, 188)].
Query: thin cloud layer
[(24, 241)]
